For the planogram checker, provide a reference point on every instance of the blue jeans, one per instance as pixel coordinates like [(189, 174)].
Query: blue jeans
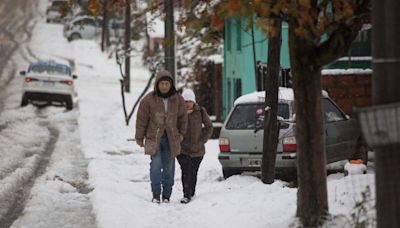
[(162, 169)]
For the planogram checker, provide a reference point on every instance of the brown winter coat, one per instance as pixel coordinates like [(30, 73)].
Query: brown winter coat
[(196, 136), (152, 121)]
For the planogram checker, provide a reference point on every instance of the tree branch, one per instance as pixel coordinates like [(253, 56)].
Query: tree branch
[(341, 38)]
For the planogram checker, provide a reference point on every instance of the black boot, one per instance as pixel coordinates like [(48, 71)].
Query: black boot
[(156, 198), (165, 199)]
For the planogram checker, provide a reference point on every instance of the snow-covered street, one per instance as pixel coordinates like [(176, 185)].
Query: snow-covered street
[(87, 174)]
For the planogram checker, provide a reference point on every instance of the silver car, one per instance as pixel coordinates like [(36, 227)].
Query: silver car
[(241, 137), (81, 27)]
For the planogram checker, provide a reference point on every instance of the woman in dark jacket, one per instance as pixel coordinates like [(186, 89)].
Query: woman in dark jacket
[(192, 146)]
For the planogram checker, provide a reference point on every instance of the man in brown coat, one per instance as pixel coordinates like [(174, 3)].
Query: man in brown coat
[(160, 125), (193, 144)]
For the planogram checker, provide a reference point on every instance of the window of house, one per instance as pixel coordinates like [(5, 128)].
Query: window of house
[(228, 34), (238, 88), (238, 34)]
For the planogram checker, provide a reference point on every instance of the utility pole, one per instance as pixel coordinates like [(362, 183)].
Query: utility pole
[(127, 46), (169, 42), (386, 64), (104, 32)]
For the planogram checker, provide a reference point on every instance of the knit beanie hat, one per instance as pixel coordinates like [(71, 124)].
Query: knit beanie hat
[(188, 95)]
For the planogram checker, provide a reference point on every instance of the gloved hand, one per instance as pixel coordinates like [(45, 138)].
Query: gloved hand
[(140, 142)]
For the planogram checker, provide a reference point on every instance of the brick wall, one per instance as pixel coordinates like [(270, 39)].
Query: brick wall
[(348, 90)]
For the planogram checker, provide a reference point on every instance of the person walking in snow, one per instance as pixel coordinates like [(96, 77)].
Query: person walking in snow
[(193, 144), (160, 125)]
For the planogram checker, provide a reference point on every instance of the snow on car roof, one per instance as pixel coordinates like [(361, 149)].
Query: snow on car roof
[(259, 96)]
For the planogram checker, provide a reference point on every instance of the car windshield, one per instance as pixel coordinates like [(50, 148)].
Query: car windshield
[(50, 69), (251, 116)]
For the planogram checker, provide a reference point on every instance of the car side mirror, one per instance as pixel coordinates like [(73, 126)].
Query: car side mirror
[(22, 73), (74, 76), (347, 117)]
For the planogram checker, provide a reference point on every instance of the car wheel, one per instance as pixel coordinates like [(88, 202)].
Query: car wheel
[(230, 172), (75, 36), (24, 101), (69, 104)]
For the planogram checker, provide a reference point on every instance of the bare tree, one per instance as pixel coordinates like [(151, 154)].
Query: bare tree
[(271, 129), (127, 46), (169, 40)]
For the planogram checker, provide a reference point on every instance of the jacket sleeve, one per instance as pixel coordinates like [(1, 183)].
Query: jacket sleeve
[(182, 117), (207, 130), (142, 119)]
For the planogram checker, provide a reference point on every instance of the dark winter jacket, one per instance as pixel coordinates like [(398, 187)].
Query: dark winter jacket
[(152, 120), (196, 136)]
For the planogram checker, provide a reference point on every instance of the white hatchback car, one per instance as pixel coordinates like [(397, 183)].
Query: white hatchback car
[(81, 27), (48, 81)]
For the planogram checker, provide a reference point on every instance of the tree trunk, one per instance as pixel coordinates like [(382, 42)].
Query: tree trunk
[(169, 41), (104, 31), (127, 46), (312, 202), (271, 131)]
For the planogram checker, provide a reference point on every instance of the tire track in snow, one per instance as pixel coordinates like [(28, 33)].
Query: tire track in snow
[(22, 189)]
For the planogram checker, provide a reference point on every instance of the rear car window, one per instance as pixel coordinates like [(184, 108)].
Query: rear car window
[(50, 69), (250, 116)]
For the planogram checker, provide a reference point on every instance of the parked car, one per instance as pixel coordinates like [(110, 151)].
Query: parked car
[(81, 27), (48, 81), (53, 13), (241, 137)]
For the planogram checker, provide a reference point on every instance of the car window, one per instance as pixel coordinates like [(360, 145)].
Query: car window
[(331, 111), (50, 69), (57, 4), (250, 116), (88, 21)]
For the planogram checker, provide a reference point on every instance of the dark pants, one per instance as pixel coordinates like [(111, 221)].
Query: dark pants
[(189, 167)]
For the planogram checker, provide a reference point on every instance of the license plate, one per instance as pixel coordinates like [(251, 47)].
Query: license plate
[(255, 162), (48, 83)]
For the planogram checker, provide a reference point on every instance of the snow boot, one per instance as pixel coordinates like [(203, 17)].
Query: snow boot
[(185, 200), (165, 199), (156, 198)]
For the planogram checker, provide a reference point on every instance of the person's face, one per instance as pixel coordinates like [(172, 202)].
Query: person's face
[(189, 105), (164, 86)]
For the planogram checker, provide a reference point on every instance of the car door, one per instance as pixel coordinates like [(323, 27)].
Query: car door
[(89, 28), (341, 132)]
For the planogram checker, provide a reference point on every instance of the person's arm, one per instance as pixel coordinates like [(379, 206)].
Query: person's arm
[(207, 130), (142, 121), (182, 117)]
